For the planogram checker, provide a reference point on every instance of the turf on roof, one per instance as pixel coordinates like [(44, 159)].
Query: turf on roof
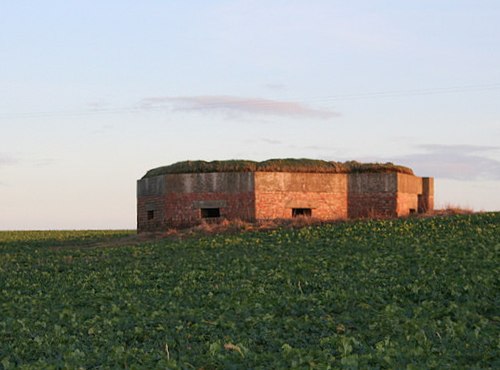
[(277, 165)]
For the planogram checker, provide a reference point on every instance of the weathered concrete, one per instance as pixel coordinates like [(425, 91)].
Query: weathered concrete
[(183, 199), (151, 186), (300, 182), (426, 199), (230, 182), (177, 199), (278, 193), (363, 183), (409, 184), (372, 194), (409, 188)]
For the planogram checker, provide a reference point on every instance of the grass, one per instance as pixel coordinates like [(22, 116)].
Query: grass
[(277, 165), (452, 209), (408, 293)]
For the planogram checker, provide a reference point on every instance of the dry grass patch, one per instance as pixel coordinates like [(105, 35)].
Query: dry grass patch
[(452, 209), (277, 165)]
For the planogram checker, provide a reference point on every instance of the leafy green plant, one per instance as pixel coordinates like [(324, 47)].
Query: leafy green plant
[(405, 293)]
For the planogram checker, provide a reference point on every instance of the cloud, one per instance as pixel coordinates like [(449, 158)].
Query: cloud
[(459, 162), (458, 149), (233, 104), (6, 160), (98, 105)]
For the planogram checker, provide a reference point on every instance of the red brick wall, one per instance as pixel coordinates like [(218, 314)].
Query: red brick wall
[(182, 209), (408, 189), (426, 199), (277, 193), (176, 199), (372, 204), (372, 194), (425, 203), (325, 206), (407, 204), (154, 203)]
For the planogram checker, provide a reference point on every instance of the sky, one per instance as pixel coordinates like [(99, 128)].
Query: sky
[(95, 93)]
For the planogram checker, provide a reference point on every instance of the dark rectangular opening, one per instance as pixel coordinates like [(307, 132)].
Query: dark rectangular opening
[(210, 212), (151, 215), (412, 211), (306, 212)]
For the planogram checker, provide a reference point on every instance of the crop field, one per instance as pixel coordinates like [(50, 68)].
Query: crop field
[(416, 293)]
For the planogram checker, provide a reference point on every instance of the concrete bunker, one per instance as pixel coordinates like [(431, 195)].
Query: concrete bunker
[(185, 193)]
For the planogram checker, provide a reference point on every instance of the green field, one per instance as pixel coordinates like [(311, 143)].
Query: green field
[(396, 294)]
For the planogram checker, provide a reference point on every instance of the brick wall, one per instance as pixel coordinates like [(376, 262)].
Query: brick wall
[(426, 199), (372, 204), (325, 206), (150, 198), (409, 187), (407, 203), (153, 203), (372, 194), (182, 209), (278, 193), (176, 200)]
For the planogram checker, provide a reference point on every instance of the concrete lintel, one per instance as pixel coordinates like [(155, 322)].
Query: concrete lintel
[(151, 207), (209, 204), (306, 204)]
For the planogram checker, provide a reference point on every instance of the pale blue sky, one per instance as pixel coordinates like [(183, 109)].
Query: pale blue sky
[(95, 93)]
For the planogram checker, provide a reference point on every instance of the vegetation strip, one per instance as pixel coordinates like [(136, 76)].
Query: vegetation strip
[(276, 165), (406, 293)]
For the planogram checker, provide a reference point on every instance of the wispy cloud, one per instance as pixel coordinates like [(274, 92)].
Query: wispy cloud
[(9, 160), (458, 149), (233, 104), (98, 105), (6, 160), (459, 162)]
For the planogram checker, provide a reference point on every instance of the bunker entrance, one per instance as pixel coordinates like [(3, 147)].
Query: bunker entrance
[(306, 212), (210, 212)]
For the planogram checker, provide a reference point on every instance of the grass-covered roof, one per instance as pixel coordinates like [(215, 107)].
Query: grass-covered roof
[(277, 165)]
